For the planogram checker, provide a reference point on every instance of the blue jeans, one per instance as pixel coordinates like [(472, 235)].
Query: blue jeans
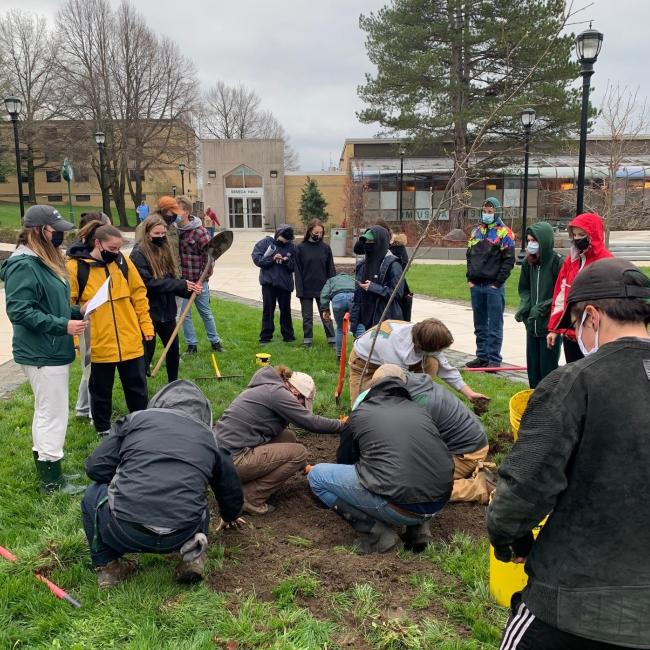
[(202, 303), (330, 482), (341, 303), (110, 538), (488, 304)]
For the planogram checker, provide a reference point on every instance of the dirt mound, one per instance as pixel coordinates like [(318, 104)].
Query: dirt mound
[(303, 537)]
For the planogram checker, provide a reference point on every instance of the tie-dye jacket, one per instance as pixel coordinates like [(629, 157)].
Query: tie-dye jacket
[(490, 254)]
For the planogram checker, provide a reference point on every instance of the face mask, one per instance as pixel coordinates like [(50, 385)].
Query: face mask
[(488, 218), (158, 241), (57, 238), (315, 237), (171, 218), (581, 244), (109, 256), (581, 345), (532, 248), (368, 248)]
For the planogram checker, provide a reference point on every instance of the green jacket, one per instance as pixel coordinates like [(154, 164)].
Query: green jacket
[(537, 281), (340, 283), (38, 306)]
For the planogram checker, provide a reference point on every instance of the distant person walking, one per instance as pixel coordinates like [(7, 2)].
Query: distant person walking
[(142, 211), (210, 221), (490, 259), (37, 293), (314, 266)]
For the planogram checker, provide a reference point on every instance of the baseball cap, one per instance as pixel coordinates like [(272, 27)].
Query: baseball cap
[(304, 384), (388, 370), (608, 278), (368, 235), (168, 203), (45, 215)]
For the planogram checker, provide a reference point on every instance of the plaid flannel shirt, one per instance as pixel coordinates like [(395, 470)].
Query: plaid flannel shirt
[(193, 245)]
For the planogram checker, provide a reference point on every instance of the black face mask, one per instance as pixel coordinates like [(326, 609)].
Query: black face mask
[(57, 238), (158, 241), (368, 248), (315, 237), (109, 256), (581, 244), (169, 218)]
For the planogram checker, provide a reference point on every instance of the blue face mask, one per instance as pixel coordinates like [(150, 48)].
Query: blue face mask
[(488, 218)]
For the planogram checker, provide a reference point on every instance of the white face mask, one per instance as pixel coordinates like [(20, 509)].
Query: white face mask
[(532, 248), (581, 345)]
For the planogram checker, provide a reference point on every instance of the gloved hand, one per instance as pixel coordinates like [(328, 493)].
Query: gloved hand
[(520, 548), (194, 547), (520, 315)]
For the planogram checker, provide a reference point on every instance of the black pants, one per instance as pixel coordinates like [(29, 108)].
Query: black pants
[(109, 538), (134, 384), (571, 351), (271, 295), (540, 360), (164, 331), (307, 310), (524, 631)]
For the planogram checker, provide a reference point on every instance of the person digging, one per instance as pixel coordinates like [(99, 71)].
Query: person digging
[(149, 493), (383, 478)]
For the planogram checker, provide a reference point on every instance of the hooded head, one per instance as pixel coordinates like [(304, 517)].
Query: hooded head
[(544, 235), (593, 225), (375, 245), (285, 231), (184, 396)]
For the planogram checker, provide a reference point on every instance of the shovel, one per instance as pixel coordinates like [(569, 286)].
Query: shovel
[(218, 245), (343, 360)]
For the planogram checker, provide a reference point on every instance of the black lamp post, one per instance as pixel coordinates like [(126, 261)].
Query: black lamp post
[(402, 151), (588, 45), (181, 169), (527, 117), (13, 106), (100, 139), (174, 190)]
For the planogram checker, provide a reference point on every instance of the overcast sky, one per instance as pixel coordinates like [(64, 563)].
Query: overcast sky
[(306, 59)]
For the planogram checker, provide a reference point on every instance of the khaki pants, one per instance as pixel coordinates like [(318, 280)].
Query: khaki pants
[(264, 469), (429, 366), (466, 487)]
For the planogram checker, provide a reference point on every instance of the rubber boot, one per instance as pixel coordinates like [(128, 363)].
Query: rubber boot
[(379, 539), (67, 477), (416, 538), (52, 479)]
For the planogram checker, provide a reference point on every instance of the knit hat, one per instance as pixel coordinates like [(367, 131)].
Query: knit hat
[(495, 203), (388, 370)]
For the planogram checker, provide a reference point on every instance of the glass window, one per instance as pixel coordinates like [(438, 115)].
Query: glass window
[(423, 200), (389, 182), (82, 198), (371, 200), (3, 178), (53, 176), (408, 200), (136, 175), (81, 177), (388, 200), (53, 198), (423, 182), (243, 176), (236, 212)]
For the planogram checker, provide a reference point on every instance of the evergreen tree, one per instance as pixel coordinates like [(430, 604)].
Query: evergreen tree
[(312, 203), (443, 66)]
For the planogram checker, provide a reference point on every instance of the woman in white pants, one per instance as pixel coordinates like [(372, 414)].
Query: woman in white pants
[(38, 304)]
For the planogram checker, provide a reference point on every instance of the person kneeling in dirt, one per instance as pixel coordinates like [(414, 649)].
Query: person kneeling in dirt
[(411, 346), (149, 495), (393, 469), (254, 430), (458, 427)]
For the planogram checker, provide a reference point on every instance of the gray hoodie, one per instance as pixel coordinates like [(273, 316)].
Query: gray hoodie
[(263, 410), (459, 428)]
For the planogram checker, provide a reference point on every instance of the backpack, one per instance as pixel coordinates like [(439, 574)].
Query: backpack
[(406, 301), (83, 272)]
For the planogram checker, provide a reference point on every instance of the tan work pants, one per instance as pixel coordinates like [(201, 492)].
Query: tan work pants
[(466, 487), (264, 469)]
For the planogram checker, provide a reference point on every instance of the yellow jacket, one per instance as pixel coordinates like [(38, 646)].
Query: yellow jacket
[(117, 327)]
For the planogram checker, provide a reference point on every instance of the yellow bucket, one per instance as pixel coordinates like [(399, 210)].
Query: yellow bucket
[(507, 578), (262, 358), (518, 404)]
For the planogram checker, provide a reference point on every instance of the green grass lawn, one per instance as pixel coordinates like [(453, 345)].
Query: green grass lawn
[(152, 611), (10, 213)]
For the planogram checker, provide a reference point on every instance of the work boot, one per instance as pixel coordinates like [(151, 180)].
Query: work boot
[(52, 478), (217, 347), (487, 482), (264, 509), (194, 557), (379, 539), (114, 572), (477, 363), (192, 349), (416, 538)]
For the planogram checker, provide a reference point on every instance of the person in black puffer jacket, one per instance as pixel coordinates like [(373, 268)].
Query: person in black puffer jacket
[(155, 263), (276, 258), (314, 266)]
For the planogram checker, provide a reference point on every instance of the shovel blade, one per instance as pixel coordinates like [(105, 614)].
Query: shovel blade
[(220, 243)]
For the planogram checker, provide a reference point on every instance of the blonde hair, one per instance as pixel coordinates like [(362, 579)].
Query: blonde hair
[(97, 230), (184, 202), (160, 259), (37, 242)]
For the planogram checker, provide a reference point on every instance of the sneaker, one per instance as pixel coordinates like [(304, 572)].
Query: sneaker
[(494, 364), (114, 572), (192, 349), (306, 344), (477, 363), (217, 347), (84, 414), (264, 509), (103, 434)]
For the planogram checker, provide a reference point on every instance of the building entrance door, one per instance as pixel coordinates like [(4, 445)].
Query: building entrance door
[(254, 212), (245, 194)]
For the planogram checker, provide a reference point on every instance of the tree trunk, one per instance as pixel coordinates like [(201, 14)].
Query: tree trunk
[(119, 187)]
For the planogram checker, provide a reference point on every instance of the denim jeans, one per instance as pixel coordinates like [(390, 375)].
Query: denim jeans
[(330, 482), (110, 538), (488, 304), (341, 303), (202, 303)]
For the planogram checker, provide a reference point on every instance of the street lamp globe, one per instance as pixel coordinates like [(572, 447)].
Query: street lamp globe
[(100, 137), (181, 167), (527, 117), (588, 45), (13, 106), (402, 151)]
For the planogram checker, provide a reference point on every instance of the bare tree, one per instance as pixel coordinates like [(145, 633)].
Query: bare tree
[(27, 51)]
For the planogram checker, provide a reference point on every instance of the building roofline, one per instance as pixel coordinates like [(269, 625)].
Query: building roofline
[(300, 172)]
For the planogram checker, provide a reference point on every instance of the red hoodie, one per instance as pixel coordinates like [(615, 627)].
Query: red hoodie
[(592, 224)]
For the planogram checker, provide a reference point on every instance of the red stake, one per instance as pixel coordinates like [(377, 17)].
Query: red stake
[(343, 360)]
